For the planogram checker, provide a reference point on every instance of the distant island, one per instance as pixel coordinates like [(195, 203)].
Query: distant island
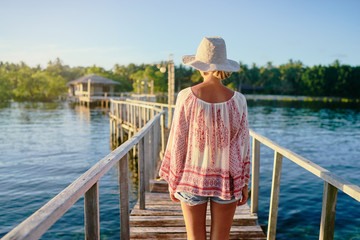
[(20, 82)]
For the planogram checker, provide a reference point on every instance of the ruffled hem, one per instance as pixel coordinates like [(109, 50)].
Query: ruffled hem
[(224, 189)]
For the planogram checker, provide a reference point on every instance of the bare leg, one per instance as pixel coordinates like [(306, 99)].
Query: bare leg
[(195, 221), (221, 220)]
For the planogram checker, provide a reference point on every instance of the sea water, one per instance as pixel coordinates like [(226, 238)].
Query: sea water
[(46, 146)]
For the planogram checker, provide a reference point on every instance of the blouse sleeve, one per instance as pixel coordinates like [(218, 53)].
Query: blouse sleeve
[(176, 148), (240, 152), (246, 150)]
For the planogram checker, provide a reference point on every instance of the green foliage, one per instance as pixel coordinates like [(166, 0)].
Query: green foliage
[(293, 78), (5, 88), (196, 77), (21, 82), (152, 74)]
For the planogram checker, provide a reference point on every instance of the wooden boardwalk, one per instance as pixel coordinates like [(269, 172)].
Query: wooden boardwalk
[(163, 219)]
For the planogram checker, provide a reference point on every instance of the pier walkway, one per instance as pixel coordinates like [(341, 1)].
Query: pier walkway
[(140, 128), (163, 219)]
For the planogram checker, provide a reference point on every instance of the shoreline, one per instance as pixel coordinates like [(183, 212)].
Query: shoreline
[(291, 98)]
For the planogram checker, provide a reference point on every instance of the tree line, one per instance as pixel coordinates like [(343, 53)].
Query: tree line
[(21, 82)]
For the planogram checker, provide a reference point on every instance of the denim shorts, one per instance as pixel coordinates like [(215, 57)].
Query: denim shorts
[(192, 199)]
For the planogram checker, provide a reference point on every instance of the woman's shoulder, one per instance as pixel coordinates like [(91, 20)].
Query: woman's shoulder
[(183, 93), (241, 96)]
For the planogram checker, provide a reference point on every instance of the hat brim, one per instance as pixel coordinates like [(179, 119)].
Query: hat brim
[(229, 66)]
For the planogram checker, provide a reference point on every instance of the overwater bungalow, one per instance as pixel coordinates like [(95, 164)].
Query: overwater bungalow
[(91, 88), (98, 85)]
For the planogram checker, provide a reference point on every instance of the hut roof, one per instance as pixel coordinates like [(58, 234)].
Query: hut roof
[(95, 79)]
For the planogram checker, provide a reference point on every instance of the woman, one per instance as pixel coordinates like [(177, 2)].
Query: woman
[(207, 156)]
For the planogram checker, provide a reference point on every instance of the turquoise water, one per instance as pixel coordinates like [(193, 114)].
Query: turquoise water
[(46, 146)]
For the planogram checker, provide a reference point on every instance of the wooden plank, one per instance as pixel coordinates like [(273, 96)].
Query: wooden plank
[(152, 152), (274, 199), (239, 229), (141, 174), (255, 176), (146, 162), (167, 210), (166, 221), (124, 197), (163, 134), (37, 224), (160, 186), (237, 232), (91, 215), (327, 225)]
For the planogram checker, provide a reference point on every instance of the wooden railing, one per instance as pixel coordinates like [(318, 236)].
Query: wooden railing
[(332, 183), (145, 123), (87, 185), (130, 116), (162, 106)]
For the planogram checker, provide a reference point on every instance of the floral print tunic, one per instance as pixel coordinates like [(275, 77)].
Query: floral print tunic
[(208, 149)]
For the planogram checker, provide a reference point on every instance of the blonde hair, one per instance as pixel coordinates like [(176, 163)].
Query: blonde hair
[(221, 74)]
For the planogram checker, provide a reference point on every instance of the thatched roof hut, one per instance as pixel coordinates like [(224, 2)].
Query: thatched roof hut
[(98, 85), (95, 79)]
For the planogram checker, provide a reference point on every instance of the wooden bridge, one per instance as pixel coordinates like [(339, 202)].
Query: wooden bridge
[(155, 216)]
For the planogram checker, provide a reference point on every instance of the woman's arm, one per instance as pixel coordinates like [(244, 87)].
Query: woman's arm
[(245, 196)]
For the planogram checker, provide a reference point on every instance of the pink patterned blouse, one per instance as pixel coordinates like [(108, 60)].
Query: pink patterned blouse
[(208, 149)]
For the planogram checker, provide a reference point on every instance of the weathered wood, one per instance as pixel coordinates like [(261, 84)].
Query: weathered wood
[(91, 209), (255, 175), (121, 134), (160, 186), (327, 225), (152, 152), (127, 112), (274, 199), (163, 134), (37, 224), (237, 232), (166, 221), (350, 189), (147, 163), (161, 212), (170, 115), (111, 131), (124, 197), (141, 175)]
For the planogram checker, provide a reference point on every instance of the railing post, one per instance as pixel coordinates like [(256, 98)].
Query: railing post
[(92, 220), (163, 133), (327, 225), (169, 115), (141, 174), (153, 150), (255, 176), (147, 161), (275, 191), (124, 197), (149, 166), (157, 140)]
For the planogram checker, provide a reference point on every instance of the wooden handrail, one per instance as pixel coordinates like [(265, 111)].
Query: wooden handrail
[(150, 103), (39, 222), (332, 183), (87, 184), (350, 189), (138, 103), (161, 105)]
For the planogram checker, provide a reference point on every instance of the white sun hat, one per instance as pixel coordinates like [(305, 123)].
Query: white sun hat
[(211, 56)]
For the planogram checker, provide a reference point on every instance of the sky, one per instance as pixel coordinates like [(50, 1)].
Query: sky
[(105, 33)]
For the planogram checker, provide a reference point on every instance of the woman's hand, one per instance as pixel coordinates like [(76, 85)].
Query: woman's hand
[(245, 196), (173, 198)]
